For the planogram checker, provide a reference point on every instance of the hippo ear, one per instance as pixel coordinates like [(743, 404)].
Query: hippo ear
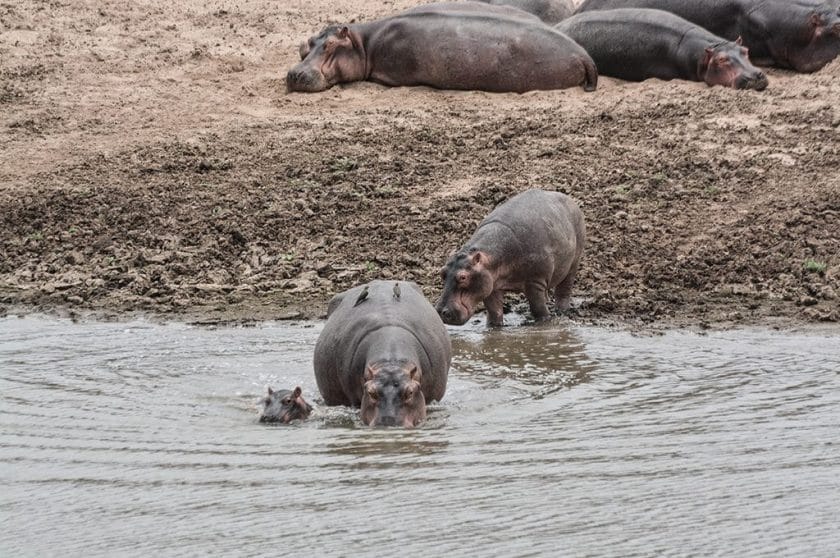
[(710, 52), (343, 32), (270, 391), (297, 392), (369, 373), (414, 374), (475, 258), (739, 41)]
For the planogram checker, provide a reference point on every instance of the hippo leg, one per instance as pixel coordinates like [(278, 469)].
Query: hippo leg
[(563, 291), (494, 304), (535, 293)]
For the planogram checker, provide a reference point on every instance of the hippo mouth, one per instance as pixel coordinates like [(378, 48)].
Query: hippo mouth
[(456, 313), (757, 82), (305, 80)]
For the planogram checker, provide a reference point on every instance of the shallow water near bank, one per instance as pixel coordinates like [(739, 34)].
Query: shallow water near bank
[(137, 438)]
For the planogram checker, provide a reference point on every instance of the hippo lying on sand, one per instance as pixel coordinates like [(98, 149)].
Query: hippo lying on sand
[(284, 406), (803, 35), (531, 243), (383, 349), (549, 11), (636, 44), (457, 45)]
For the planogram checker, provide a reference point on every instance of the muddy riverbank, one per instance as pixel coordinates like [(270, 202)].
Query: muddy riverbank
[(152, 163)]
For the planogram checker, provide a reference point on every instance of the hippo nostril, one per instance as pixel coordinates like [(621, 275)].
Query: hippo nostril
[(446, 314), (293, 76), (387, 421)]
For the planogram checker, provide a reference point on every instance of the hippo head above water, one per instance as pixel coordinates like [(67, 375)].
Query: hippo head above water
[(728, 64), (392, 395), (467, 280), (335, 55), (284, 406)]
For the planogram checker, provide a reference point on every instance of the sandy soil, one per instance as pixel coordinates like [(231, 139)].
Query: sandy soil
[(151, 161)]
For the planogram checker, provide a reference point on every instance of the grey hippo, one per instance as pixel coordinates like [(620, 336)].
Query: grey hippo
[(383, 349), (451, 45), (638, 43), (531, 243), (803, 35)]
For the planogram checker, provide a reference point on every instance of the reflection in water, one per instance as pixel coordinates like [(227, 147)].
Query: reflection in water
[(538, 359), (139, 439), (383, 442)]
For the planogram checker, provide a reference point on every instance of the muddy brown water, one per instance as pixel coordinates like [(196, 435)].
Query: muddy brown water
[(141, 439)]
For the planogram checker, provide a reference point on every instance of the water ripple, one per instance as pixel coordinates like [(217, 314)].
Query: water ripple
[(136, 438)]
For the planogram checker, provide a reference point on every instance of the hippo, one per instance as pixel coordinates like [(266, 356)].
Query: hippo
[(383, 349), (531, 243), (638, 43), (284, 406), (449, 45), (802, 35), (549, 11)]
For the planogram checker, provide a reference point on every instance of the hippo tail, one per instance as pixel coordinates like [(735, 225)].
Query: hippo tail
[(590, 81)]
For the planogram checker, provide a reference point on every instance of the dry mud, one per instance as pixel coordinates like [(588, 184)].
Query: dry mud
[(152, 162)]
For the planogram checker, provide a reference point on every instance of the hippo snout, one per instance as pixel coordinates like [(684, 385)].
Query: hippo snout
[(300, 78), (757, 81), (387, 421)]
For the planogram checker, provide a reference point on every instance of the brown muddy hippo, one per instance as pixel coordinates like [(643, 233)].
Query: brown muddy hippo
[(451, 45), (383, 349), (531, 243), (639, 43), (803, 35), (284, 406), (549, 11)]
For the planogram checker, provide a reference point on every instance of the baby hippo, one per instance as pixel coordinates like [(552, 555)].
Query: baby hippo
[(530, 244), (284, 406)]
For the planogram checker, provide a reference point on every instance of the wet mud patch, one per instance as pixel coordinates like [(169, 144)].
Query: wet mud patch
[(177, 183)]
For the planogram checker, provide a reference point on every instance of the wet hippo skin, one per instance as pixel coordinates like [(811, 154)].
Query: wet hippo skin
[(383, 349)]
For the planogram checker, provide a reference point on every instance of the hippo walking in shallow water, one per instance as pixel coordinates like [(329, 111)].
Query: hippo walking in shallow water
[(383, 349), (803, 35), (549, 11), (284, 406), (636, 44), (457, 45), (531, 243)]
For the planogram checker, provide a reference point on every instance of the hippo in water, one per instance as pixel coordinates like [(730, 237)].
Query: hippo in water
[(803, 35), (637, 43), (455, 45), (284, 406), (531, 243), (383, 349), (549, 11)]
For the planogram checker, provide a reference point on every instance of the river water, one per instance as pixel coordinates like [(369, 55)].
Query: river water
[(141, 439)]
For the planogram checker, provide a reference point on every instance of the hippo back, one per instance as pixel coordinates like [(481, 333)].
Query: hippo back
[(720, 17), (541, 217), (549, 11), (338, 362)]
